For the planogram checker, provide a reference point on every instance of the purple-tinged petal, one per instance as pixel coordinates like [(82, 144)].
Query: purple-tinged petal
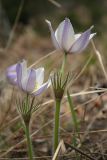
[(40, 75), (25, 80), (41, 89), (81, 43), (78, 35), (22, 74), (12, 78), (59, 33), (31, 80), (11, 74), (67, 35), (12, 68), (55, 43)]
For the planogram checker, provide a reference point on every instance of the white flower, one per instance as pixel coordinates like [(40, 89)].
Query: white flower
[(28, 79), (65, 39)]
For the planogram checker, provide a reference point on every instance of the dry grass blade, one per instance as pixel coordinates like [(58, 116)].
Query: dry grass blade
[(55, 3), (99, 58), (15, 24), (61, 143), (41, 59), (89, 132), (87, 92), (83, 69)]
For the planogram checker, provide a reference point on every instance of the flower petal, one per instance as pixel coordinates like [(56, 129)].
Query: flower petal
[(59, 33), (12, 68), (81, 43), (22, 74), (65, 34), (78, 35), (55, 43), (40, 75), (12, 78), (11, 74), (31, 80), (41, 89)]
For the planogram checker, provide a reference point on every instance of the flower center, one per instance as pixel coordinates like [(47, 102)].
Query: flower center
[(36, 87)]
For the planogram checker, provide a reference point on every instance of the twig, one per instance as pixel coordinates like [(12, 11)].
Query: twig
[(81, 152)]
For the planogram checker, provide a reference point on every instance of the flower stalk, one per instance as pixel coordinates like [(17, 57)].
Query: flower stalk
[(29, 142), (56, 125), (26, 107), (59, 86), (63, 63)]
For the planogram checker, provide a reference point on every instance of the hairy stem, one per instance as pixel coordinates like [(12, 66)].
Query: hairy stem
[(56, 124), (29, 143), (63, 63)]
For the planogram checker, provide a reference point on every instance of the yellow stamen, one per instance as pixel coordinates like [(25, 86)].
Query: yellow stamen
[(36, 87)]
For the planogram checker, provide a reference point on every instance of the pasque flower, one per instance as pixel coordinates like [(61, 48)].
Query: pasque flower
[(64, 37), (28, 79)]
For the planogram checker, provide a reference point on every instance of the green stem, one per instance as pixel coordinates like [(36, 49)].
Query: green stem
[(29, 143), (63, 64), (56, 125)]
